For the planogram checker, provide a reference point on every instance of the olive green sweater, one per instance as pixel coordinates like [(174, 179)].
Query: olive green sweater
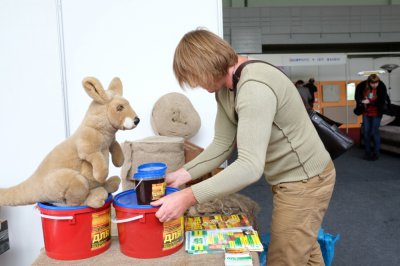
[(274, 135)]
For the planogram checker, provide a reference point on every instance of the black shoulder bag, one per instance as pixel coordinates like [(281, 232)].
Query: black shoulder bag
[(335, 141)]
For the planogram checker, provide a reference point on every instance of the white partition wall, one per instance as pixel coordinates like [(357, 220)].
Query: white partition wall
[(134, 40), (31, 111)]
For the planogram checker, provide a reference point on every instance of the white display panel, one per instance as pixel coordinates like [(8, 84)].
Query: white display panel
[(31, 111), (104, 38)]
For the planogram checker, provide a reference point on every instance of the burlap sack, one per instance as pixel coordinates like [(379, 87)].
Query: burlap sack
[(230, 204), (174, 115), (168, 150)]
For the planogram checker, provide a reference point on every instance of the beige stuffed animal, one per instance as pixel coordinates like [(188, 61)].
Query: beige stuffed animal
[(75, 171)]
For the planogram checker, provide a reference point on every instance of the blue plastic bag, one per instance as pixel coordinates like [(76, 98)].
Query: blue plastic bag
[(263, 255), (326, 241)]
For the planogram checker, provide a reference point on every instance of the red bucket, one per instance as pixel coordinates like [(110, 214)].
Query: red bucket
[(141, 234), (78, 232)]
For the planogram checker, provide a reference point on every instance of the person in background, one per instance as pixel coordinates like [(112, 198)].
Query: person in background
[(265, 119), (305, 94), (370, 98), (312, 89)]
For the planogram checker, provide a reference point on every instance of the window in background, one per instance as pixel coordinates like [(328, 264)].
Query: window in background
[(330, 92), (350, 91)]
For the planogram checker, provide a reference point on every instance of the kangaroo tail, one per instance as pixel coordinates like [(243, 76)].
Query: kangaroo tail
[(24, 193)]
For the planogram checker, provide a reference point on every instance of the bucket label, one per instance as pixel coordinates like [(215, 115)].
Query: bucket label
[(157, 191), (173, 233), (101, 227)]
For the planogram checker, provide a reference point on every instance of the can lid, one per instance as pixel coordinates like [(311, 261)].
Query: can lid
[(150, 170), (50, 206), (156, 166), (127, 199), (149, 175)]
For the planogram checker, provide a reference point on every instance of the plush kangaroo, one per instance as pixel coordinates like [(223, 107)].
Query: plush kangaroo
[(75, 171)]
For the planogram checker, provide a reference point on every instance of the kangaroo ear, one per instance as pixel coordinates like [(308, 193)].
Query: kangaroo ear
[(95, 90), (116, 86)]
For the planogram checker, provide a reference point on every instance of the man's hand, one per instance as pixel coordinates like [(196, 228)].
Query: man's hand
[(178, 178), (174, 205)]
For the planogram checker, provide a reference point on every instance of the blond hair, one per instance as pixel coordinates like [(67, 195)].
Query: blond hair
[(201, 58)]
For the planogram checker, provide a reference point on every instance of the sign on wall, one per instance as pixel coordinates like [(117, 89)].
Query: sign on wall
[(313, 59)]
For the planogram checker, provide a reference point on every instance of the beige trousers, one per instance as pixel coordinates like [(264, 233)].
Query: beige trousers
[(298, 210)]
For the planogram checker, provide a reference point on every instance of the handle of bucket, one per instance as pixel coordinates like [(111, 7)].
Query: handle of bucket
[(114, 220), (138, 183), (56, 217), (53, 217)]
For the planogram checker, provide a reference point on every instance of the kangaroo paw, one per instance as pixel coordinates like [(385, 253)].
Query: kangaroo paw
[(112, 184), (97, 197)]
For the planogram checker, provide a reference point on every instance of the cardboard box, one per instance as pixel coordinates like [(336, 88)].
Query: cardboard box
[(191, 150), (4, 240)]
